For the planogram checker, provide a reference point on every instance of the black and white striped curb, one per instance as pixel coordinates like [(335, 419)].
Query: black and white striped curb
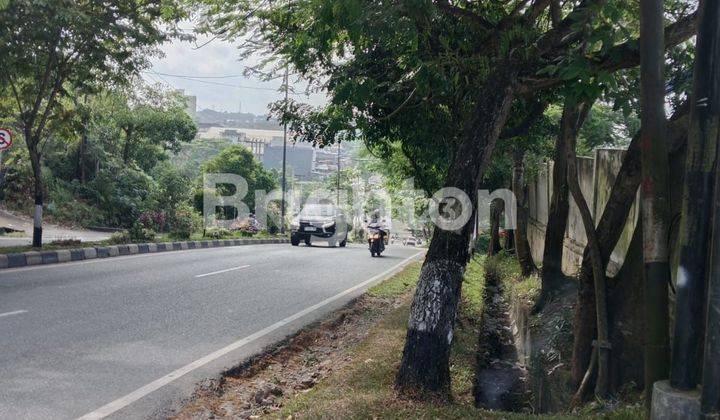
[(23, 259)]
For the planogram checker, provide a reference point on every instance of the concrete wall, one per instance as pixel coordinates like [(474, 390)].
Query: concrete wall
[(596, 176)]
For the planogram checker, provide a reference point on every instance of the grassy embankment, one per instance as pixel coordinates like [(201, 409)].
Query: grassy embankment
[(364, 388)]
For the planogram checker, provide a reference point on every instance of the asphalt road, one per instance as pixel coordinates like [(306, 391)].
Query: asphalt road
[(130, 336)]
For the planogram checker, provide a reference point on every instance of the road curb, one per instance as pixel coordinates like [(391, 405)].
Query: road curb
[(24, 259)]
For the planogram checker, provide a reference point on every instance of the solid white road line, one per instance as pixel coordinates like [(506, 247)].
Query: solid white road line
[(12, 313), (222, 271), (153, 386)]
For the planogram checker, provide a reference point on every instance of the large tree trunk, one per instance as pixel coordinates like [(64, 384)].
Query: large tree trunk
[(696, 205), (425, 362), (522, 246), (80, 167), (37, 189), (552, 275), (609, 229), (655, 193), (573, 118), (496, 210)]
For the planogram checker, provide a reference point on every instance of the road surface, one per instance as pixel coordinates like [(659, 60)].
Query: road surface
[(128, 337), (50, 232)]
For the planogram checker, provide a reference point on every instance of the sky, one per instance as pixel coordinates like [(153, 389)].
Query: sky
[(208, 66)]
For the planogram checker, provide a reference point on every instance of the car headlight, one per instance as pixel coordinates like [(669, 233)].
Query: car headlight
[(294, 224), (328, 223)]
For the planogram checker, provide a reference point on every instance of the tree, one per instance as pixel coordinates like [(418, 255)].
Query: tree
[(396, 72), (60, 48), (150, 129), (574, 116), (609, 228), (239, 160)]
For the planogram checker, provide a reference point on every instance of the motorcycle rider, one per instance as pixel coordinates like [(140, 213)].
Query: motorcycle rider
[(376, 224)]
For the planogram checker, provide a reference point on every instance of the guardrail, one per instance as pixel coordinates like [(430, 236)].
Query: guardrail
[(24, 259)]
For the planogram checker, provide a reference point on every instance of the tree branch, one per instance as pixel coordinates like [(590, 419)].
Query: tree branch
[(521, 129), (15, 94), (536, 10), (562, 32), (460, 12), (622, 56)]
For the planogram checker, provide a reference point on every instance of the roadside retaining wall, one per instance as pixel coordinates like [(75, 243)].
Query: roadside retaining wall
[(24, 259), (596, 176)]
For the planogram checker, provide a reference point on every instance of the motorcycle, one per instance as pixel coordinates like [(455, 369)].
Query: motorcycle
[(376, 239)]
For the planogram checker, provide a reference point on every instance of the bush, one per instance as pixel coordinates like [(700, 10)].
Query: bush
[(118, 238), (138, 233), (218, 233), (184, 222), (154, 220)]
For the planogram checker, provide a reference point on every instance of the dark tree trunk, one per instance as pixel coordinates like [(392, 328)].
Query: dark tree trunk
[(522, 246), (425, 363), (697, 204), (37, 189), (496, 209), (509, 244), (552, 275), (609, 229), (80, 167), (655, 193), (128, 144)]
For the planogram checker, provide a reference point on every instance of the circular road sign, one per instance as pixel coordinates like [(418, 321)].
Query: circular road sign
[(5, 139)]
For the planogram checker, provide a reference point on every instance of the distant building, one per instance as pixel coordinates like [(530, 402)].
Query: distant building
[(191, 105), (299, 159)]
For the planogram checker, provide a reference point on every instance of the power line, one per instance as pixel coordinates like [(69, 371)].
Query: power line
[(210, 82), (230, 76)]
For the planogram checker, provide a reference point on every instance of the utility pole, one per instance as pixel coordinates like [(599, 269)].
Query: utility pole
[(655, 194), (282, 205), (697, 208), (708, 115)]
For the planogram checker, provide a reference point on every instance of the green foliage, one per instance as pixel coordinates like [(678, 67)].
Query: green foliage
[(184, 222), (120, 193), (192, 156), (64, 206), (138, 233), (239, 160), (119, 238), (218, 233)]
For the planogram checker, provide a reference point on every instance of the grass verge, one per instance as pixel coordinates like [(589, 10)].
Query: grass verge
[(363, 388)]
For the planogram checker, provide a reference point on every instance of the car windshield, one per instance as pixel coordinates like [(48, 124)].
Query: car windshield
[(318, 210)]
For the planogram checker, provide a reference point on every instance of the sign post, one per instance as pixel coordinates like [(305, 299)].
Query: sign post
[(5, 139), (5, 143)]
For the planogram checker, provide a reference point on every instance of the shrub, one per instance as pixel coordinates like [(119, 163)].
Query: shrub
[(185, 222), (138, 233), (117, 238), (155, 220), (218, 233)]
